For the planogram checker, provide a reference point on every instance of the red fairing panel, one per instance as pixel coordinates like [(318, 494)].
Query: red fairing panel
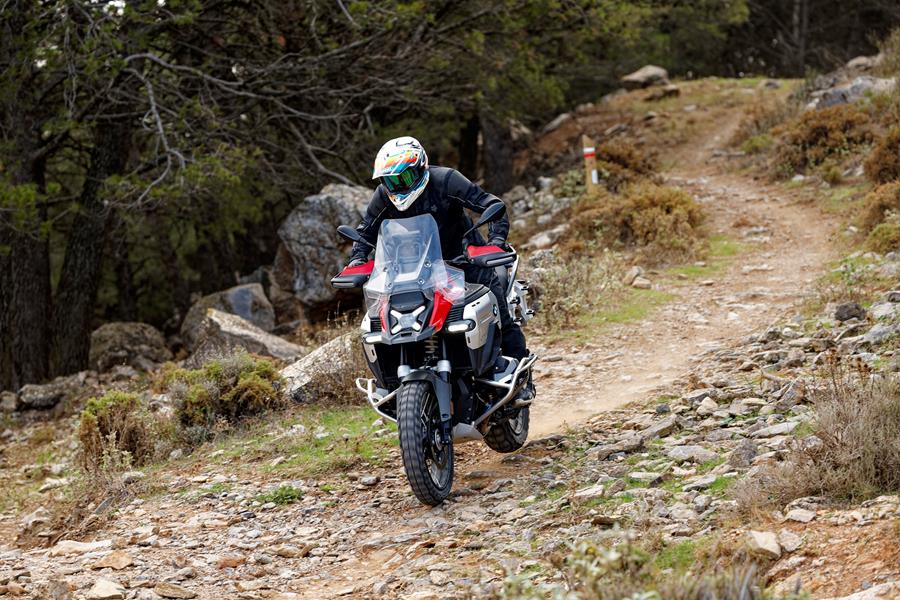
[(365, 269), (474, 251), (440, 310)]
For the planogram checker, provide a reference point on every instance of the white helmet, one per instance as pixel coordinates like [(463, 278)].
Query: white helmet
[(402, 168)]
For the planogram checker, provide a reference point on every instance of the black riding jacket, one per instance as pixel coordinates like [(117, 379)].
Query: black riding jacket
[(446, 196)]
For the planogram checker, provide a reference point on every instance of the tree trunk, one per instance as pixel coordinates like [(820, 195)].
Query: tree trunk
[(80, 277), (468, 148), (497, 155), (126, 295)]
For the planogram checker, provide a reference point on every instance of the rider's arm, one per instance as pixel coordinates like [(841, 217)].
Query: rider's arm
[(368, 229), (476, 199)]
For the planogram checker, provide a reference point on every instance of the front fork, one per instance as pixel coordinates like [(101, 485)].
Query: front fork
[(439, 378)]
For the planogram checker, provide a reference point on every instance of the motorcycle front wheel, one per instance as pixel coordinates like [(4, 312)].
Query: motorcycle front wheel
[(427, 461)]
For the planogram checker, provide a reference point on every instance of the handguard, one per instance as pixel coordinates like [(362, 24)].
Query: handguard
[(353, 277), (489, 256)]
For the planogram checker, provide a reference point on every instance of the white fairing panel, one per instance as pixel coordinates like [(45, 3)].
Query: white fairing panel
[(485, 314)]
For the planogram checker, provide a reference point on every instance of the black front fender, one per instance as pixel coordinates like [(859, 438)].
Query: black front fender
[(441, 388)]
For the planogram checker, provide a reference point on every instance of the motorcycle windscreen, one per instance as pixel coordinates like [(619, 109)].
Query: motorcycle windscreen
[(408, 258)]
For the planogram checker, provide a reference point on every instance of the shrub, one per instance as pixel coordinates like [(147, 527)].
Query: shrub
[(883, 163), (890, 50), (854, 452), (662, 223), (620, 163), (753, 133), (879, 203), (885, 237), (224, 389), (114, 423), (284, 494), (566, 290), (758, 144), (817, 135)]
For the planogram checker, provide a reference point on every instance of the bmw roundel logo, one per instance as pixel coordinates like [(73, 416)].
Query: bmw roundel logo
[(496, 310)]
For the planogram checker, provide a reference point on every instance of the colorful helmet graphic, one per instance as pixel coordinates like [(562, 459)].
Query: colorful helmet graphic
[(402, 168)]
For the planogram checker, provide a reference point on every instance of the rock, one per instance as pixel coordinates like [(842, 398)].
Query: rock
[(328, 370), (764, 544), (104, 589), (777, 429), (41, 516), (849, 310), (707, 407), (851, 92), (129, 477), (221, 332), (884, 310), (170, 590), (742, 456), (249, 302), (230, 561), (801, 515), (66, 547), (369, 480), (138, 345), (667, 91), (862, 63), (117, 559), (589, 493), (545, 239), (645, 77), (48, 395), (9, 402), (789, 541), (641, 283), (646, 477), (312, 253), (632, 274), (884, 591), (700, 483), (660, 429), (556, 122), (697, 454), (878, 334)]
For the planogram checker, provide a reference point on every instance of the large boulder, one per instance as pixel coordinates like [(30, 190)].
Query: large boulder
[(327, 373), (312, 253), (645, 77), (248, 301), (846, 92), (47, 395), (138, 345), (222, 332)]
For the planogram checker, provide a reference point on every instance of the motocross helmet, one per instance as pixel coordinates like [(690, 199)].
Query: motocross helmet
[(402, 168)]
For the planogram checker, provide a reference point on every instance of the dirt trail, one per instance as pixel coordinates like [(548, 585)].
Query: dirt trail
[(784, 245)]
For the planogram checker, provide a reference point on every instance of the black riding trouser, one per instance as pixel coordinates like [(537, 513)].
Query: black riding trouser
[(512, 342)]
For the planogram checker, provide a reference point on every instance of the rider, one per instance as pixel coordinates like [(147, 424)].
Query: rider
[(410, 187)]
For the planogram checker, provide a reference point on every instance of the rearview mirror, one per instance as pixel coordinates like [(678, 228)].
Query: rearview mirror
[(492, 213), (348, 233)]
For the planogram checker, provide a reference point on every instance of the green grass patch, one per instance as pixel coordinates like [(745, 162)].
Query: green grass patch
[(720, 486), (710, 465), (724, 247), (678, 557), (281, 495)]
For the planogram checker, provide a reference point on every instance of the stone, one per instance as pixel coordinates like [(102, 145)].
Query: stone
[(129, 477), (222, 331), (632, 274), (117, 559), (851, 91), (41, 516), (700, 483), (697, 454), (776, 429), (661, 93), (646, 76), (66, 547), (884, 310), (104, 589), (9, 402), (170, 590), (311, 253), (138, 345), (249, 302), (589, 493), (329, 369), (849, 310), (801, 515), (764, 544), (48, 395), (789, 541), (641, 283), (878, 334), (707, 407), (557, 122), (647, 477), (884, 591), (230, 561), (743, 454), (368, 480), (660, 429)]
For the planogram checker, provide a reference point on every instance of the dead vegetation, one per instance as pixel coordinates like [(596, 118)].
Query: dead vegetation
[(113, 424), (853, 453), (754, 133), (883, 163), (661, 224), (880, 218)]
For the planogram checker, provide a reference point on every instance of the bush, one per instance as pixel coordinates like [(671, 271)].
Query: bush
[(758, 144), (883, 163), (620, 163), (567, 290), (818, 135), (753, 132), (890, 50), (662, 223), (879, 204), (226, 389), (885, 237), (112, 424), (854, 454)]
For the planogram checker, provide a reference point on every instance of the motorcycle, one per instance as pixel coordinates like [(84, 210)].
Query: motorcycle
[(432, 342)]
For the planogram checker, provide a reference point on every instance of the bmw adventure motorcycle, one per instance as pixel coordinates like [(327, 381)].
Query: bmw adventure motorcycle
[(432, 343)]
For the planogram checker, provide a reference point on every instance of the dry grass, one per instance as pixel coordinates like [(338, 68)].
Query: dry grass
[(853, 454), (885, 237), (818, 135), (883, 163), (879, 204), (566, 290), (890, 49), (753, 133), (115, 428), (662, 224)]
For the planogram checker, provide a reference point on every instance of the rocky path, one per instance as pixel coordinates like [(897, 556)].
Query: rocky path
[(206, 536)]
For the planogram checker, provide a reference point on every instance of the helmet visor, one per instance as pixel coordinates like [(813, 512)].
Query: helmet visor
[(402, 182)]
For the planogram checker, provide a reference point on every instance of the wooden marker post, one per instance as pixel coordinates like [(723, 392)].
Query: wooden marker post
[(590, 163)]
